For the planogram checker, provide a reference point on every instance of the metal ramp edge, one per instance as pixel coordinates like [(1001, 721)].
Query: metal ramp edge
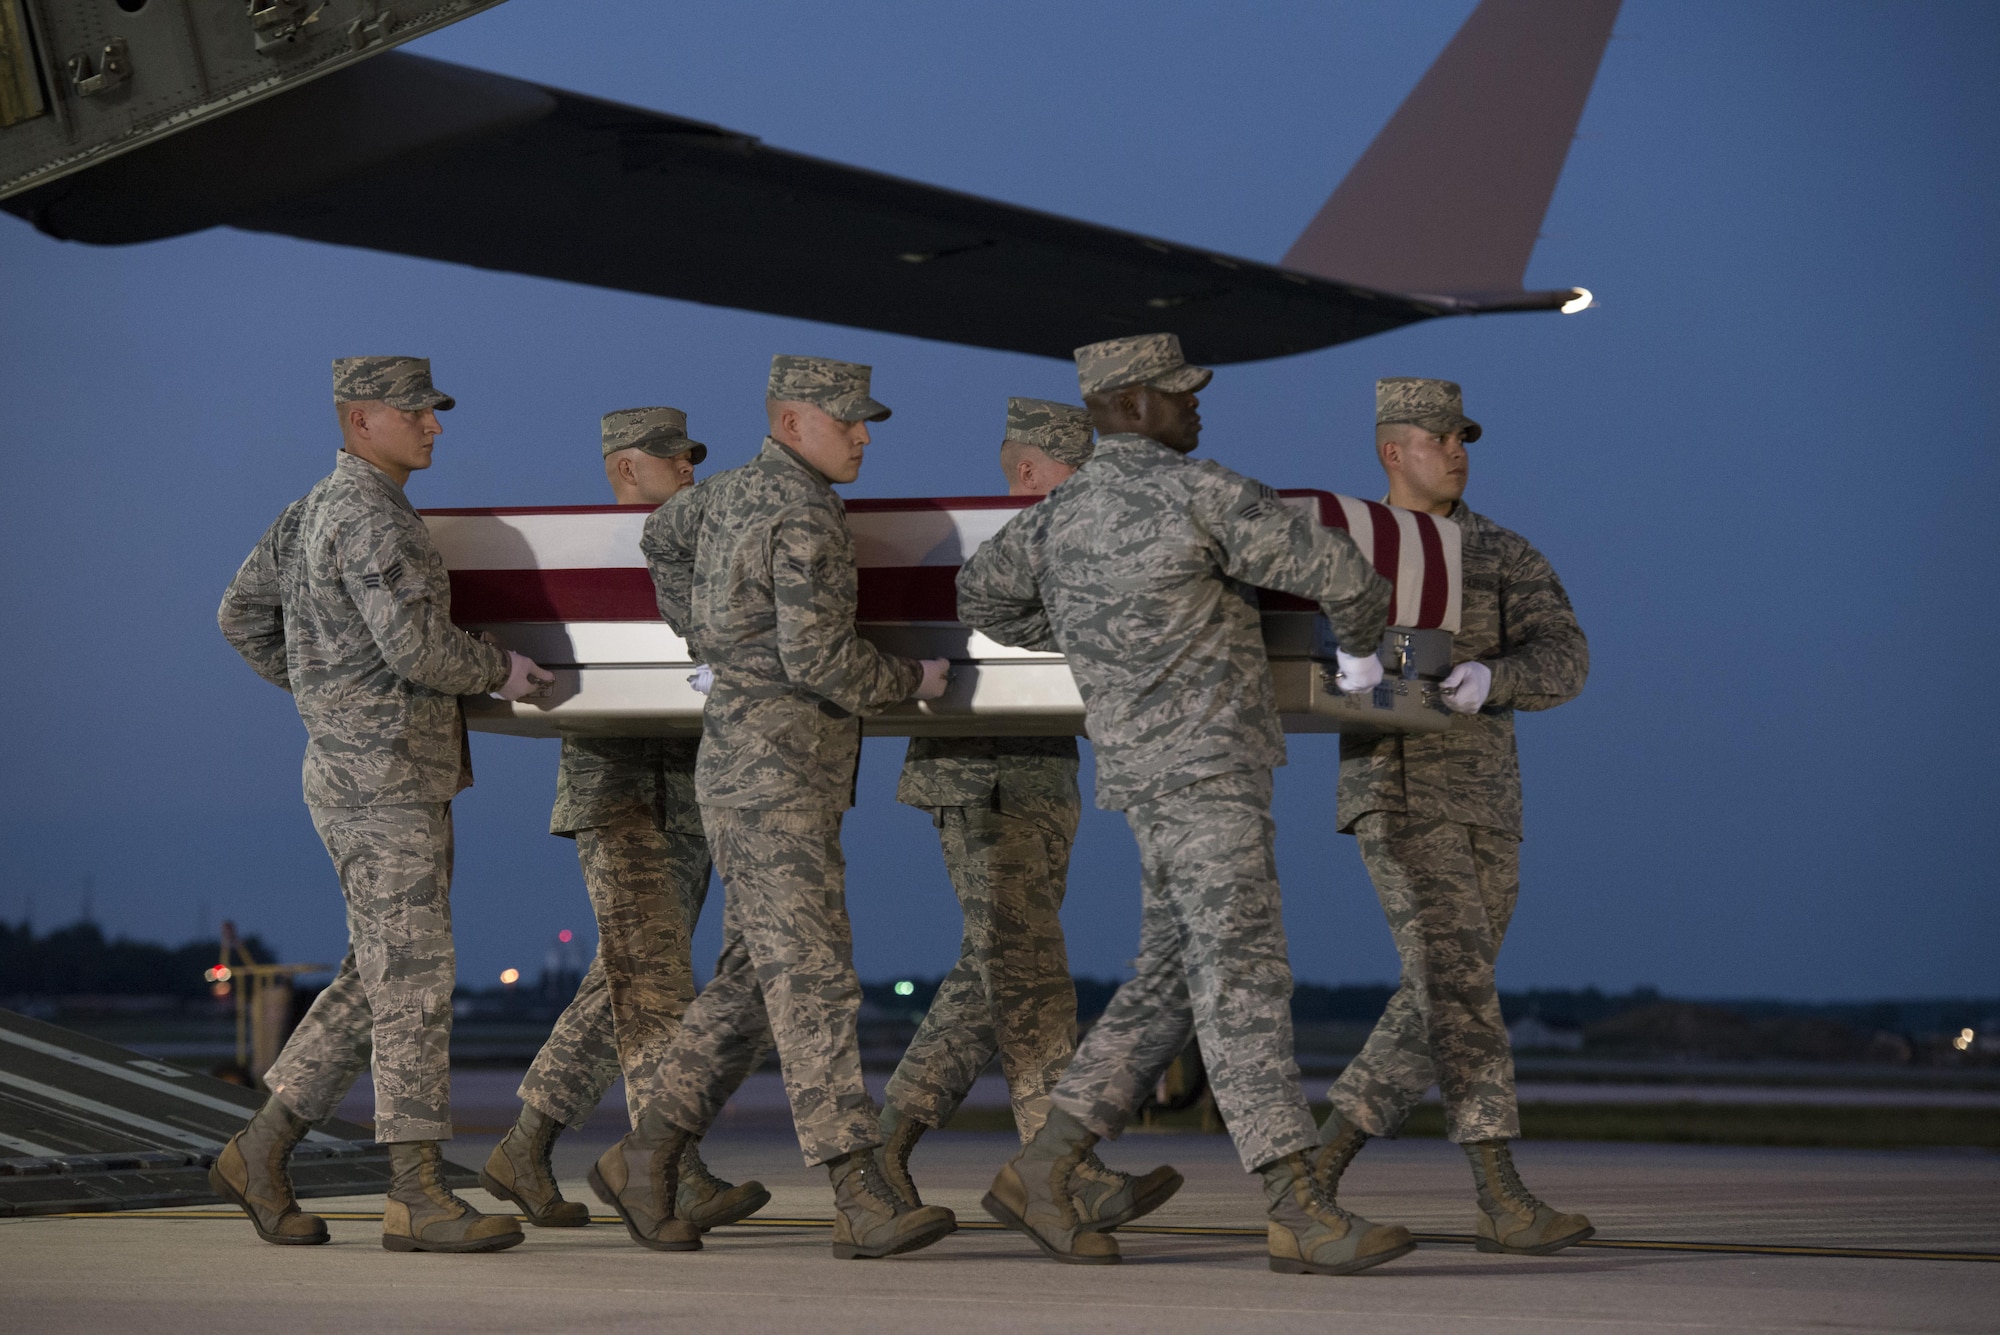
[(88, 1125)]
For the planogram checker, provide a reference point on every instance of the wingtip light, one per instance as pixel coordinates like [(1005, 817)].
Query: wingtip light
[(1582, 301)]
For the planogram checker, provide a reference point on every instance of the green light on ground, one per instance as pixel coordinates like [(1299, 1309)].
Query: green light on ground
[(904, 987)]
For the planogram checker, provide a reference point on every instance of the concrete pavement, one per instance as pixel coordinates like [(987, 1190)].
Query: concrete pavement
[(167, 1275)]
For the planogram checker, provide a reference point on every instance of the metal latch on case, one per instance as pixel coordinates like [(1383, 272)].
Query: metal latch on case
[(112, 68)]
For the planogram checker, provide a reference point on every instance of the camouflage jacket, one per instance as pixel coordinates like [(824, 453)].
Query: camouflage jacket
[(754, 568), (1143, 570), (1033, 778), (346, 604), (616, 780), (1517, 621)]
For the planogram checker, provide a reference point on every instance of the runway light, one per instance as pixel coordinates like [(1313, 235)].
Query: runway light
[(564, 935), (1580, 302), (509, 977), (1964, 1039), (904, 987)]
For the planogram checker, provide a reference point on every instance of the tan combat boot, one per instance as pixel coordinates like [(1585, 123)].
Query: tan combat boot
[(518, 1170), (639, 1177), (253, 1172), (1106, 1198), (1310, 1235), (900, 1133), (706, 1201), (423, 1215), (1511, 1219), (1035, 1194), (871, 1220), (1339, 1141)]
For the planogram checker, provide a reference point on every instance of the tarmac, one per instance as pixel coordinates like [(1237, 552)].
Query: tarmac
[(1689, 1239)]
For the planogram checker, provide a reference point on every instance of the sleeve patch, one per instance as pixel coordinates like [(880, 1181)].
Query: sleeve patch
[(386, 579), (1260, 506)]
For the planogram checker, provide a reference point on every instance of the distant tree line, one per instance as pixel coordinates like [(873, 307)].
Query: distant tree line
[(79, 961)]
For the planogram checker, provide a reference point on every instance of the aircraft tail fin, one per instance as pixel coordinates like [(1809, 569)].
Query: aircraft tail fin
[(1449, 198)]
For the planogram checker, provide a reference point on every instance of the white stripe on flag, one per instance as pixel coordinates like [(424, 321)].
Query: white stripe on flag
[(1409, 569), (539, 542), (922, 537), (1360, 524), (1450, 538)]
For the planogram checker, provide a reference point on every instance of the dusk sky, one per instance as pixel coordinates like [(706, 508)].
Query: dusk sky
[(1765, 467)]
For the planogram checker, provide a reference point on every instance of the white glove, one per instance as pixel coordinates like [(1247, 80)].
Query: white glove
[(937, 676), (702, 679), (1357, 674), (526, 679), (1466, 689)]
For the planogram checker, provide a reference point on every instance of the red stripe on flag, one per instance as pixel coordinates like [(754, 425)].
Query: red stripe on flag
[(480, 597), (1388, 553), (1436, 593), (484, 597), (907, 593)]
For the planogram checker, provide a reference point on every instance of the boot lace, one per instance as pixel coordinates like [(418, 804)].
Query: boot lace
[(877, 1186), (1096, 1170), (1332, 1160), (431, 1183), (281, 1173), (696, 1173), (902, 1144), (544, 1149), (1508, 1185), (1324, 1203)]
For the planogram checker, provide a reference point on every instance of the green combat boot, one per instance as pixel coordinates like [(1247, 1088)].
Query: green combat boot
[(1510, 1219), (1339, 1141), (1106, 1198), (1310, 1235), (253, 1172), (871, 1220), (1035, 1194), (518, 1170), (639, 1177), (900, 1134), (422, 1214), (706, 1201)]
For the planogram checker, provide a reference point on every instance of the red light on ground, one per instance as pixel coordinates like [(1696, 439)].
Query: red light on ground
[(564, 935)]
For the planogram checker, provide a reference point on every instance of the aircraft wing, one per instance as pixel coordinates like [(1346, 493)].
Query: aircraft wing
[(420, 157)]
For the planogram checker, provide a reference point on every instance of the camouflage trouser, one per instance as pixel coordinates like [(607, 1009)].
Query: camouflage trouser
[(1010, 991), (646, 888), (1448, 891), (786, 971), (1211, 956), (394, 988)]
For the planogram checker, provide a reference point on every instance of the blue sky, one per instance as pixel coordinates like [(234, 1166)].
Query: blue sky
[(1765, 467)]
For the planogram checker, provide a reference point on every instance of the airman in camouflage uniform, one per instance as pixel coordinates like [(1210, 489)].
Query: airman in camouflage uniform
[(1006, 811), (1438, 818), (1143, 570), (346, 604), (628, 802), (755, 569)]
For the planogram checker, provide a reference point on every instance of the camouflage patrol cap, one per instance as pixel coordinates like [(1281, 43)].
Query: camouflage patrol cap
[(1142, 359), (840, 389), (400, 382), (661, 432), (1434, 405), (1059, 430)]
